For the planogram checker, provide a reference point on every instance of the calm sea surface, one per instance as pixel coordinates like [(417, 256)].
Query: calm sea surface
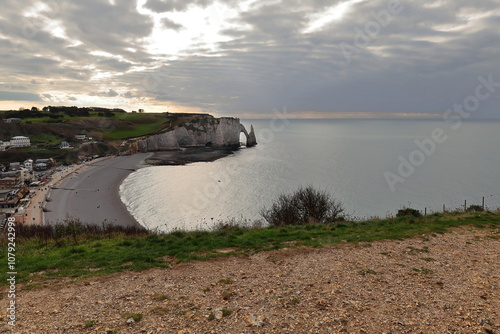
[(351, 159)]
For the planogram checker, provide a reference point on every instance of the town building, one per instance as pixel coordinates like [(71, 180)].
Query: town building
[(3, 145), (64, 145), (41, 166), (9, 182), (25, 175), (13, 166), (50, 162), (20, 141), (80, 137), (10, 198), (13, 120), (28, 164)]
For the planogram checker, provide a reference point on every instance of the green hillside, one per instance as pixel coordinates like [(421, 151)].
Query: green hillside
[(47, 128)]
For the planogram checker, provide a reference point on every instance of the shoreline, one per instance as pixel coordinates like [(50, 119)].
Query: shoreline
[(189, 155), (92, 194)]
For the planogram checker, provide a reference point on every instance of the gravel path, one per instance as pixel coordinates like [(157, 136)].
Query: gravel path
[(429, 284)]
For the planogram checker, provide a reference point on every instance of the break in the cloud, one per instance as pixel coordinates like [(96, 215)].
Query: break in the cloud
[(316, 57)]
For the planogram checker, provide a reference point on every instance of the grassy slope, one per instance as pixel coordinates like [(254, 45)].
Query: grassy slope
[(95, 255), (122, 125), (46, 136), (138, 131)]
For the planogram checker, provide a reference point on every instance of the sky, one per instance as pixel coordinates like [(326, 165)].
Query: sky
[(314, 58)]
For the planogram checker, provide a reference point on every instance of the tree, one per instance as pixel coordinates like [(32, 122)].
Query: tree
[(306, 205)]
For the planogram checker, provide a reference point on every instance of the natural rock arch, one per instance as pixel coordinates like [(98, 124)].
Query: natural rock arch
[(251, 140)]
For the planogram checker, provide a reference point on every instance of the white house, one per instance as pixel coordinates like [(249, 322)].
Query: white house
[(64, 145), (80, 137), (3, 146), (28, 164), (20, 141)]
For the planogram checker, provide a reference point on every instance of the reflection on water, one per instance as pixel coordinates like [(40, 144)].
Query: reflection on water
[(348, 158)]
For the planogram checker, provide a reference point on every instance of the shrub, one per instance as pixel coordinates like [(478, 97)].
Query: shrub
[(408, 212), (475, 208), (306, 205)]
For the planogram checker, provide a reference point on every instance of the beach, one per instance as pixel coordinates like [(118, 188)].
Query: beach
[(92, 193)]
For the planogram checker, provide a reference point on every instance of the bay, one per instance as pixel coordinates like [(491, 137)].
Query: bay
[(351, 159)]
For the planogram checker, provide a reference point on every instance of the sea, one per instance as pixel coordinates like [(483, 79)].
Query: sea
[(373, 167)]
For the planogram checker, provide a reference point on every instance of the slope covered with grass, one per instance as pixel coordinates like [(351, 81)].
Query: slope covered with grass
[(77, 252)]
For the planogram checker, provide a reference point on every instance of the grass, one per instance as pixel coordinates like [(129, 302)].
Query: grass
[(136, 316), (90, 324), (92, 254), (137, 131), (159, 297), (46, 139), (423, 270)]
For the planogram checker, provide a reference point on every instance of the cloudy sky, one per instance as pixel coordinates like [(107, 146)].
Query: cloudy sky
[(317, 58)]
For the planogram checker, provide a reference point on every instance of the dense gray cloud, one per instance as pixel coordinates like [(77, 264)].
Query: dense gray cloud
[(423, 57), (18, 96), (169, 24), (109, 93), (161, 6)]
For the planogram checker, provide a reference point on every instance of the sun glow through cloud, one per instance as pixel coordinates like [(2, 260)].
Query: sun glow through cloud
[(335, 13), (200, 29), (247, 57)]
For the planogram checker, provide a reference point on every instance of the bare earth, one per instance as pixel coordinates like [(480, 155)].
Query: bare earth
[(430, 284)]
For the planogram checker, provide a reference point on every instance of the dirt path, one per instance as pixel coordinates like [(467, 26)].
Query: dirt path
[(430, 284)]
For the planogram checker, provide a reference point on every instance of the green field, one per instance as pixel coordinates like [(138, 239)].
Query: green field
[(138, 131), (74, 254)]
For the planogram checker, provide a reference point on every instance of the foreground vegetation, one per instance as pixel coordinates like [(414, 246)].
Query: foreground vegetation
[(76, 251)]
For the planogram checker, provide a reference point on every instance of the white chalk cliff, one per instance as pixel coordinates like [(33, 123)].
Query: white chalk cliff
[(202, 131)]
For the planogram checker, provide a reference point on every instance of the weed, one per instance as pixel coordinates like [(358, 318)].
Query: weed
[(418, 250), (423, 270), (226, 312), (227, 294), (33, 286), (226, 281), (475, 208), (408, 212), (428, 259), (368, 272), (135, 316), (89, 324), (159, 310), (158, 297)]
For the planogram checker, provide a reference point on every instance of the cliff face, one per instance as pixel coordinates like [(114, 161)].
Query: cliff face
[(203, 131)]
